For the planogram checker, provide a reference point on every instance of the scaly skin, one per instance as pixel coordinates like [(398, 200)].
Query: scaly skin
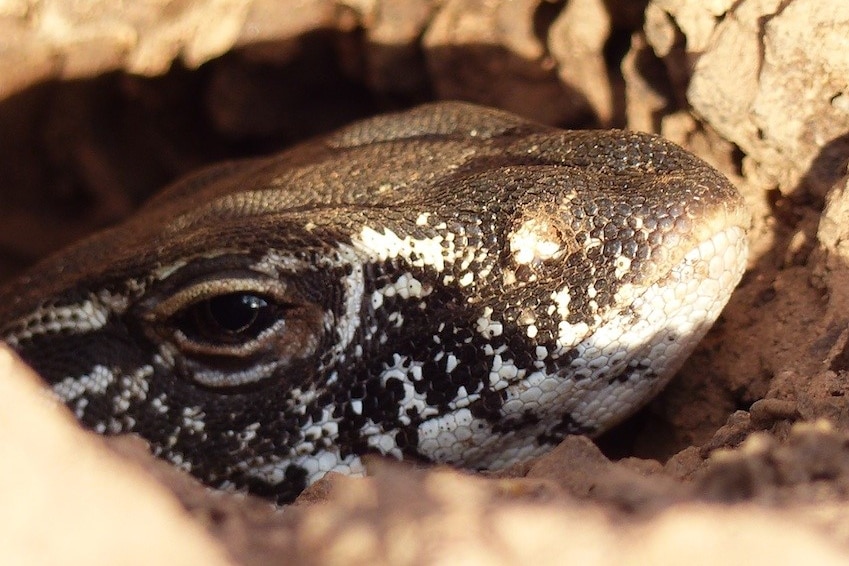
[(452, 284)]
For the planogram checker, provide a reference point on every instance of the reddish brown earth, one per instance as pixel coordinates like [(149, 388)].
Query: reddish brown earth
[(745, 456)]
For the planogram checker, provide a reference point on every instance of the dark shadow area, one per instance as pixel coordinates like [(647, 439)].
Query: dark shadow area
[(826, 169), (80, 155), (495, 76), (626, 19)]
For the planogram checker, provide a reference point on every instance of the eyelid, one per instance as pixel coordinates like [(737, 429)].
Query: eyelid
[(208, 289), (249, 347)]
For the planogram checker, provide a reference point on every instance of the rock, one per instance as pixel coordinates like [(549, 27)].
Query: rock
[(67, 500)]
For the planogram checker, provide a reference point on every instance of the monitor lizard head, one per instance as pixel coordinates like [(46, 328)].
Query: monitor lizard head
[(451, 283)]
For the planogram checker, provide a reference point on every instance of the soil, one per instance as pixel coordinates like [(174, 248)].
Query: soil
[(743, 458)]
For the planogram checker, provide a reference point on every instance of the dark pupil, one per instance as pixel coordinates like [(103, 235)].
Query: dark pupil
[(235, 312), (231, 318)]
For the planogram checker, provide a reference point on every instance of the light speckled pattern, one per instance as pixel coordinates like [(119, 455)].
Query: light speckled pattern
[(451, 284)]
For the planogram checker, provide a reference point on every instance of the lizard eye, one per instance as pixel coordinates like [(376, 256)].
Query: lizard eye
[(231, 318), (234, 330)]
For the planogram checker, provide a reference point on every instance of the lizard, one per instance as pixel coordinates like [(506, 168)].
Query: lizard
[(452, 283)]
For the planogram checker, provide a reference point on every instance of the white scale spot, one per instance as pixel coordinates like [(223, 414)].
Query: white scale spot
[(396, 319), (450, 363), (503, 370), (488, 327), (561, 299), (385, 443), (158, 403), (408, 372), (622, 265), (406, 287), (93, 383), (571, 334), (179, 461), (535, 240), (86, 316), (248, 434), (79, 408), (193, 418), (304, 397), (428, 251)]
